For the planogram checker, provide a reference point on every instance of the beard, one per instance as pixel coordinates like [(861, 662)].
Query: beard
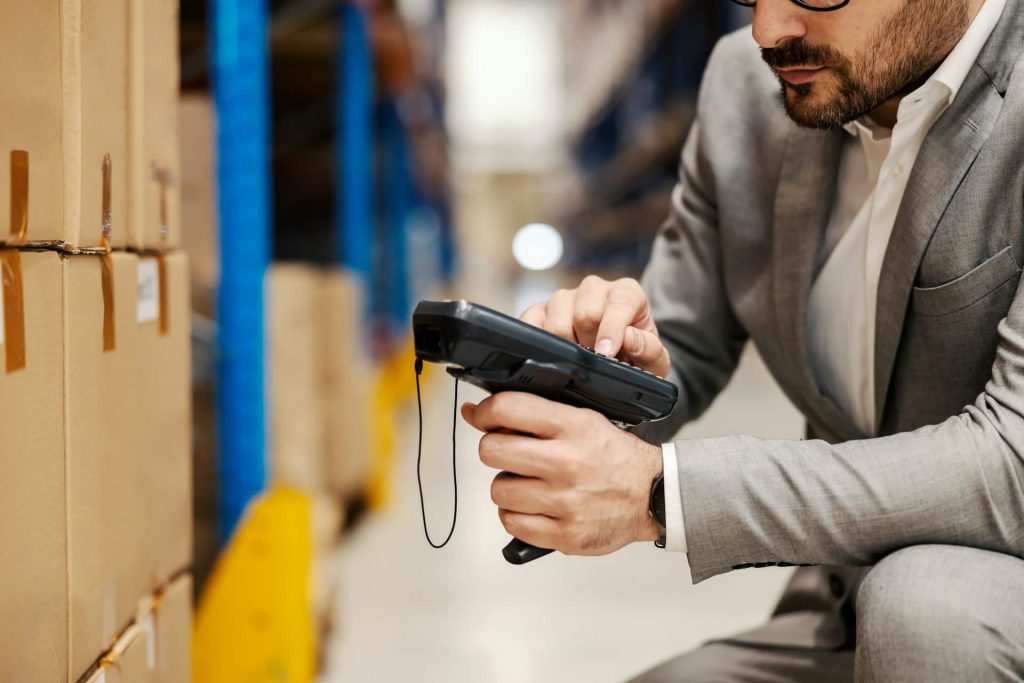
[(902, 52)]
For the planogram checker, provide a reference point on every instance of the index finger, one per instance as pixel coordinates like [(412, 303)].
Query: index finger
[(626, 302), (517, 412)]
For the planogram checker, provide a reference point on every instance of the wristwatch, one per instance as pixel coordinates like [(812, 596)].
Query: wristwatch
[(656, 506)]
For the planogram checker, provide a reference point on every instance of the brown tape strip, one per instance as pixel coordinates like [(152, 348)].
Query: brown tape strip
[(165, 322), (19, 196), (106, 218), (109, 328), (14, 310)]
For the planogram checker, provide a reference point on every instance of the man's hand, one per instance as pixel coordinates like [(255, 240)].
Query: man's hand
[(571, 480), (613, 318)]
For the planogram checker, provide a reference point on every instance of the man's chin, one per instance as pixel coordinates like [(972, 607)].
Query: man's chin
[(808, 108)]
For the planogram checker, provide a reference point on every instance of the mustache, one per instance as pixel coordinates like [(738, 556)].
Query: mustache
[(799, 53)]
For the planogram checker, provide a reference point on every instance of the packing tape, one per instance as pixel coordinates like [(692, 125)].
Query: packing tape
[(165, 323), (14, 309), (109, 328), (106, 221), (19, 196)]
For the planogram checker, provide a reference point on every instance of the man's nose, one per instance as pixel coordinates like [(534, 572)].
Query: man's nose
[(777, 22)]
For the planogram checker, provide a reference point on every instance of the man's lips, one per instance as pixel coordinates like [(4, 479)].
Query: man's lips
[(800, 75)]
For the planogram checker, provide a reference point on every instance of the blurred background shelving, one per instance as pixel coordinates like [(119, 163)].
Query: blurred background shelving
[(409, 143)]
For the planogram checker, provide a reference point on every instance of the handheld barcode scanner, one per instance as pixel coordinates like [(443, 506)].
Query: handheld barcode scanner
[(498, 353)]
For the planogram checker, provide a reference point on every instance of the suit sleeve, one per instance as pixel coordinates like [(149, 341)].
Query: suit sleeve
[(749, 501)]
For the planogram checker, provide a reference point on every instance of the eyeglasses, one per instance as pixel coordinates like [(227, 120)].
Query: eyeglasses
[(812, 5)]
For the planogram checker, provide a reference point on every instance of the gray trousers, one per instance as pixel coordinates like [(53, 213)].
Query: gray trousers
[(926, 613)]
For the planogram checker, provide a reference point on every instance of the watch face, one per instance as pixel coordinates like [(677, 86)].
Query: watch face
[(657, 501)]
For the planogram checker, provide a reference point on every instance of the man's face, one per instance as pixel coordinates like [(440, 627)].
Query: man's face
[(835, 67)]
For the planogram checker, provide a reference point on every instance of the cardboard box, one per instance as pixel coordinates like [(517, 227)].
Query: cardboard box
[(106, 452), (198, 198), (164, 380), (95, 505), (127, 439), (167, 619), (297, 410), (129, 661), (33, 589), (154, 83), (63, 142), (347, 382)]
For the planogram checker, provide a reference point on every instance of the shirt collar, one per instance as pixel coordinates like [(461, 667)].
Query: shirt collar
[(954, 69), (952, 73)]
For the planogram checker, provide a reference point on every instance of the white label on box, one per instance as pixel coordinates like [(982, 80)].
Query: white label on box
[(3, 321), (149, 291), (150, 629)]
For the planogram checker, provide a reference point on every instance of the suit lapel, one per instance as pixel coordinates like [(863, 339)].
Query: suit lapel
[(947, 155), (805, 194)]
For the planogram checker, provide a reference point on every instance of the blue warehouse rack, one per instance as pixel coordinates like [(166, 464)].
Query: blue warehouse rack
[(354, 136), (240, 71)]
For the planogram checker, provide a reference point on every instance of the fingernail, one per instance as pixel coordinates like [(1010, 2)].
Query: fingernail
[(604, 347), (638, 342)]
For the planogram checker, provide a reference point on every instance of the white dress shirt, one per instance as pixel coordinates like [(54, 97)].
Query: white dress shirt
[(873, 173)]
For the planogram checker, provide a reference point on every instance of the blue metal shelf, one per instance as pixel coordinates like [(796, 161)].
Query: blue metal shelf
[(354, 140), (240, 69)]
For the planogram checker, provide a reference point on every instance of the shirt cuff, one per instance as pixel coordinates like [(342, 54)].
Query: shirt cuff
[(675, 532)]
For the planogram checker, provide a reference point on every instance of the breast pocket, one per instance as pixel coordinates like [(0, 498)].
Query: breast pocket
[(951, 337), (968, 289)]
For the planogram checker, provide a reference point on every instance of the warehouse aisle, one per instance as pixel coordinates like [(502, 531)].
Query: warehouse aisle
[(410, 613)]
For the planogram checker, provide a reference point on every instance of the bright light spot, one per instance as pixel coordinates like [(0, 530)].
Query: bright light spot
[(537, 247)]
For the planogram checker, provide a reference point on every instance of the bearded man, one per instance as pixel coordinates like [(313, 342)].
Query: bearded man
[(864, 231)]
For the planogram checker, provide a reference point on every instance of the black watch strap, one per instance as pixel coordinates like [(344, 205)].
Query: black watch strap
[(656, 506)]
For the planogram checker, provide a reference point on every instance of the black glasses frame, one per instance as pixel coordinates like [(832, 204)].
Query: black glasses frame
[(801, 3)]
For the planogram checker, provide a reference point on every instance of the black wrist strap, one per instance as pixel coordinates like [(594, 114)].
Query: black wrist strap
[(419, 459)]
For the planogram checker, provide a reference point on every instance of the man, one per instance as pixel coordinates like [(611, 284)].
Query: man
[(866, 235)]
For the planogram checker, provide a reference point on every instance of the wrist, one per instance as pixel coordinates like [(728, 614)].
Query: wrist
[(651, 461)]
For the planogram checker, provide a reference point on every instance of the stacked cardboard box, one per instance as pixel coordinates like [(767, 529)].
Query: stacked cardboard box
[(198, 195), (94, 340), (346, 386), (200, 241), (156, 648), (63, 138), (95, 418), (154, 162), (320, 381), (297, 417)]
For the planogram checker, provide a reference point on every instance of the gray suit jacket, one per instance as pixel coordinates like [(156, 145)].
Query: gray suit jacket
[(735, 262)]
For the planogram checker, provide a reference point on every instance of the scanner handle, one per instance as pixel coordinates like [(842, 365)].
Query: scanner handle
[(518, 552)]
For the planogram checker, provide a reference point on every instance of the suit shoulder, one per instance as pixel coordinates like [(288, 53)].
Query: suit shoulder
[(739, 92), (736, 60)]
